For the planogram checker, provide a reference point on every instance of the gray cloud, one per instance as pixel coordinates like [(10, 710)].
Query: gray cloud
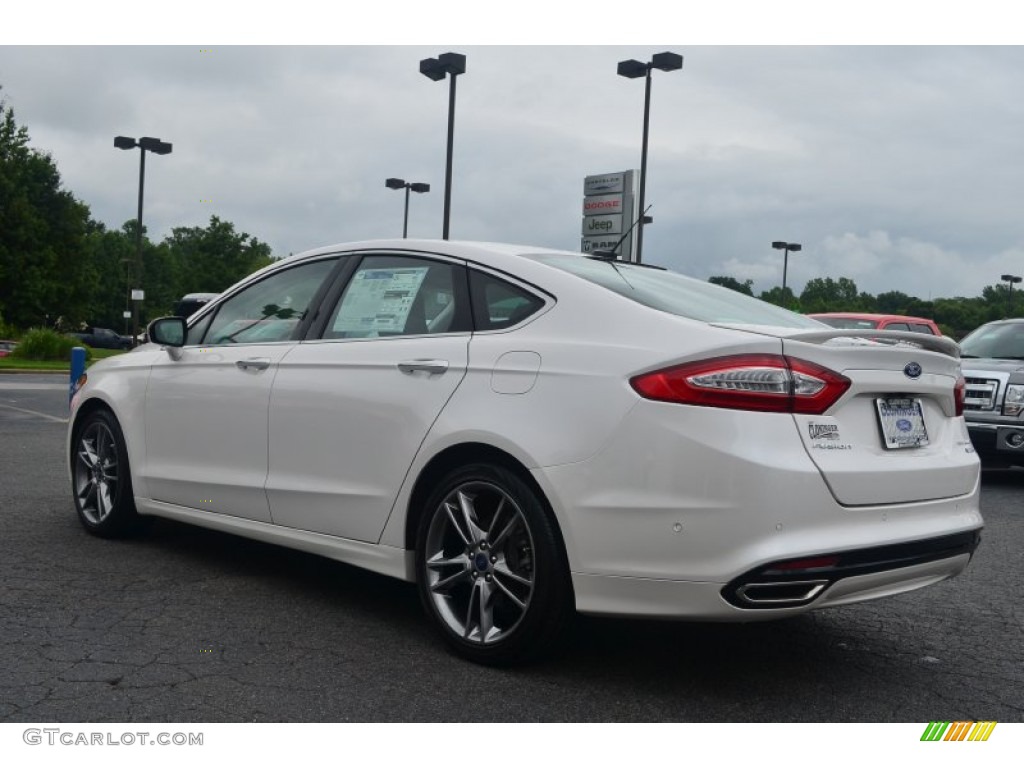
[(896, 166)]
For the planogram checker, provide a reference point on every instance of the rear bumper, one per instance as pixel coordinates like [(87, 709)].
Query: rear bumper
[(682, 505), (792, 583), (702, 601)]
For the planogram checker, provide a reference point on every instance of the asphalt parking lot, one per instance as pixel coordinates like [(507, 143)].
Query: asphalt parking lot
[(188, 625)]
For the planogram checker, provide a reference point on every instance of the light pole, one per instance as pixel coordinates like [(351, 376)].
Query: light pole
[(787, 247), (160, 148), (1011, 279), (632, 68), (453, 64), (415, 186)]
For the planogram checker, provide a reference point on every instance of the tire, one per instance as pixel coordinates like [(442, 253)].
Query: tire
[(491, 570), (101, 481)]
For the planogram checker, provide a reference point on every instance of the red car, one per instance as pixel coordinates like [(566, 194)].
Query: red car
[(866, 321), (6, 347)]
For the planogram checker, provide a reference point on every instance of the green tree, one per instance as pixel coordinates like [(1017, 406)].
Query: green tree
[(42, 230), (823, 294), (214, 257), (1000, 302), (893, 302), (109, 255), (782, 298), (733, 283)]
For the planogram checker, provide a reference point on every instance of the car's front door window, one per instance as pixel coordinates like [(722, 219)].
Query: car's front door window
[(270, 310)]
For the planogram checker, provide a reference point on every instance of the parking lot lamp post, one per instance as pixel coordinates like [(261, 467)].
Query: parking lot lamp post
[(787, 247), (1011, 279), (632, 68), (146, 143), (453, 64), (415, 186)]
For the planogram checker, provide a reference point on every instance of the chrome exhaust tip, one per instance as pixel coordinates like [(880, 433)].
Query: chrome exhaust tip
[(781, 593)]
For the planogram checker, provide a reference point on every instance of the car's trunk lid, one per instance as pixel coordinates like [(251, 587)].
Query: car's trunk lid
[(893, 437)]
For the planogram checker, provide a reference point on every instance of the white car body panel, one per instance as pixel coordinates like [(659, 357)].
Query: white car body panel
[(345, 424), (206, 428)]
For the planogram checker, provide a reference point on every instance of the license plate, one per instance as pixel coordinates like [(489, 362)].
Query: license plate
[(902, 422)]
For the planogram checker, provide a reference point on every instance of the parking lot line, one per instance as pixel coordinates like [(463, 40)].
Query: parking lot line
[(35, 413)]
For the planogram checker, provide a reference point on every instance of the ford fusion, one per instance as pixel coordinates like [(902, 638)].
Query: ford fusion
[(527, 433)]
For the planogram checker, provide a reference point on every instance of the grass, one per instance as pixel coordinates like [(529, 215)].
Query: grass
[(11, 363)]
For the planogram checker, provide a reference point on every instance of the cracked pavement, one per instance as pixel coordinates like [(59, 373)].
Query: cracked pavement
[(186, 625)]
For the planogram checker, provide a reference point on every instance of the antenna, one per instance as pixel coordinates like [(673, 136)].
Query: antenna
[(608, 254)]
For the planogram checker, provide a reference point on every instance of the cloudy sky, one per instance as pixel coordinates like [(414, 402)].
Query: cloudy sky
[(898, 166)]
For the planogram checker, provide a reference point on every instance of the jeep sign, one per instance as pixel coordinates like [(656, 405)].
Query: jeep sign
[(602, 225)]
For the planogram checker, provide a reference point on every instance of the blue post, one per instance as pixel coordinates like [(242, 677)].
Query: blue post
[(77, 369)]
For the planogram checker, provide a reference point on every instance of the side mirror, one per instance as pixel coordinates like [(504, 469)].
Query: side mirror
[(169, 332)]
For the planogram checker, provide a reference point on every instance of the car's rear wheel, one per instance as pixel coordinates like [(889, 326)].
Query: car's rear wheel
[(101, 480), (490, 567)]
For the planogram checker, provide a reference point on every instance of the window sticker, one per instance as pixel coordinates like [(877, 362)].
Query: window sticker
[(379, 301)]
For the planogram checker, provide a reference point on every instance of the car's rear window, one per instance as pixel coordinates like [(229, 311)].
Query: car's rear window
[(677, 294)]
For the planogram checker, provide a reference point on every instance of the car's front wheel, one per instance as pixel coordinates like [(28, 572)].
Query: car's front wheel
[(101, 480), (490, 567)]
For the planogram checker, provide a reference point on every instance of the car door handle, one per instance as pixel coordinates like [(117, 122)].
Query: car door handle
[(258, 363), (430, 366)]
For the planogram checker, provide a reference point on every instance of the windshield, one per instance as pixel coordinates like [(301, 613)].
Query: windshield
[(1005, 340), (677, 294)]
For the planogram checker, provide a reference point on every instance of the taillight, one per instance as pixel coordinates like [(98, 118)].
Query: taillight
[(958, 395), (775, 383)]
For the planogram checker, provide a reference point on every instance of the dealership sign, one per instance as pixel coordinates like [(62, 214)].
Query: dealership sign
[(608, 203), (605, 182), (591, 244), (602, 225), (601, 204)]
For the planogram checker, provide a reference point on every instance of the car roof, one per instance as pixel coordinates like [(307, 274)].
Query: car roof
[(503, 257), (479, 251)]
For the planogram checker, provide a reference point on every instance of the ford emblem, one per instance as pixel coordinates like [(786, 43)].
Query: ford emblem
[(912, 370)]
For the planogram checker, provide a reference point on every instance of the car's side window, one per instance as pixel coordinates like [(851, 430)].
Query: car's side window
[(922, 328), (897, 327), (400, 296), (498, 304), (269, 310)]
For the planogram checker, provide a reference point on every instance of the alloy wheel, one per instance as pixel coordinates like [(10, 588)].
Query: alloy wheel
[(96, 472), (480, 567)]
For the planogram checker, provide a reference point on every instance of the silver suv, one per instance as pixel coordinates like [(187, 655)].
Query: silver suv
[(993, 367)]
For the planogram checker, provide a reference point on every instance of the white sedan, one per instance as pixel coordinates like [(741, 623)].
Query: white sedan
[(526, 433)]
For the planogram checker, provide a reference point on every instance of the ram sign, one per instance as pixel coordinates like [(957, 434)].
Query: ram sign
[(608, 202)]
